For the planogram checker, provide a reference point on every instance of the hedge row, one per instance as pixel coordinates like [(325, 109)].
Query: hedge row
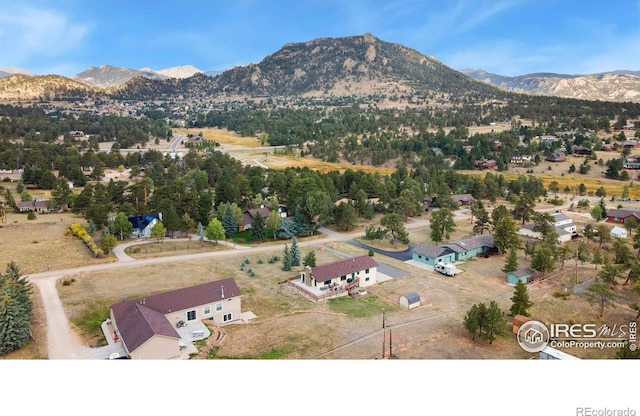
[(80, 231)]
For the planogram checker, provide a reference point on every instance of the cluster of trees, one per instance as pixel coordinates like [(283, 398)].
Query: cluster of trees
[(486, 322), (16, 307)]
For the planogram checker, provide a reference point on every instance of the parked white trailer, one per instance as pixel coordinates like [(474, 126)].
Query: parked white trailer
[(447, 269)]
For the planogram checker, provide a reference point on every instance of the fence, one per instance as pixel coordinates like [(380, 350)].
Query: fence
[(343, 291)]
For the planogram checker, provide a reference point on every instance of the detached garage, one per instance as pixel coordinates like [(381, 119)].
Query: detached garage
[(410, 300)]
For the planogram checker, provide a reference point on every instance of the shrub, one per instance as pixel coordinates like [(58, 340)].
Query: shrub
[(31, 215), (81, 232), (371, 253)]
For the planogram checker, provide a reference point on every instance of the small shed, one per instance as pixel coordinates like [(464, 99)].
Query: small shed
[(619, 232), (410, 300), (518, 321), (524, 274)]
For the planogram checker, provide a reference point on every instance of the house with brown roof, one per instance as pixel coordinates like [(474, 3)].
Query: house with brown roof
[(463, 199), (332, 275), (486, 164), (37, 205), (622, 215), (332, 280), (249, 215), (557, 157), (161, 326)]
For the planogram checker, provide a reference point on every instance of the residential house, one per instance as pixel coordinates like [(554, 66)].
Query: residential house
[(463, 199), (631, 144), (557, 157), (523, 274), (622, 215), (619, 232), (547, 138), (582, 151), (486, 164), (150, 328), (249, 215), (564, 226), (520, 160), (454, 251), (631, 162), (334, 275), (37, 205), (142, 224)]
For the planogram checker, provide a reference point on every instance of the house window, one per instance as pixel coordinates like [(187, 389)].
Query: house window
[(327, 282), (226, 317), (191, 315), (343, 278), (218, 307), (367, 271), (366, 280), (206, 310)]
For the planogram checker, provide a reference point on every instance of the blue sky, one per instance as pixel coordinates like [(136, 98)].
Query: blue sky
[(507, 37)]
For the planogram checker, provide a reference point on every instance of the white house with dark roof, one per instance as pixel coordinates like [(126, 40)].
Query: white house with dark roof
[(340, 278), (564, 226), (159, 326)]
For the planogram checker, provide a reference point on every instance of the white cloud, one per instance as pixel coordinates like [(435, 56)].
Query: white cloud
[(28, 34)]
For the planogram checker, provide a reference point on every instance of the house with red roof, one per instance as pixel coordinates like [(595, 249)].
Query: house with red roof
[(332, 280), (161, 326)]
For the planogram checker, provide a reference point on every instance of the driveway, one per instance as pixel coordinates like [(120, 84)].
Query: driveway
[(398, 255)]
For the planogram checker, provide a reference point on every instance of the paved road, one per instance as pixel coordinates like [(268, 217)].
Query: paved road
[(398, 255), (64, 343), (176, 142)]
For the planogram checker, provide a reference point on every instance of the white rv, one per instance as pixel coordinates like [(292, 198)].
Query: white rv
[(447, 269)]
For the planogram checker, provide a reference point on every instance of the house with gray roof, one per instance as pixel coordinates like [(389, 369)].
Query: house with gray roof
[(453, 251), (154, 327), (564, 226)]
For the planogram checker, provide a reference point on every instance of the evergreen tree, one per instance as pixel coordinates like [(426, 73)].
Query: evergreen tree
[(543, 260), (258, 227), (511, 264), (442, 225), (471, 321), (294, 252), (520, 299), (310, 259), (302, 225), (494, 324), (16, 307), (229, 222), (286, 259)]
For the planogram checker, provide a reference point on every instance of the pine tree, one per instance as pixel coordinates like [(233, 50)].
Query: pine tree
[(258, 227), (520, 299), (229, 222), (16, 307), (471, 321), (494, 324), (310, 259), (511, 264), (286, 259), (302, 223), (294, 253)]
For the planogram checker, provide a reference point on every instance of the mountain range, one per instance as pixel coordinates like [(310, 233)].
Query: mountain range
[(354, 65)]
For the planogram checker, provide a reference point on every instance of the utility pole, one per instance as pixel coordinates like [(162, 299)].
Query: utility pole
[(390, 347), (384, 335)]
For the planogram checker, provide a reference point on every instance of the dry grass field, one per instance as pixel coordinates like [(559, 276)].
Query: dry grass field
[(39, 245)]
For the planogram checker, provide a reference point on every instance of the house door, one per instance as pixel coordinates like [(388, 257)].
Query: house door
[(191, 315)]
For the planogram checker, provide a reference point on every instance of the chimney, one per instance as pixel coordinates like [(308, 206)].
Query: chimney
[(222, 292), (307, 275)]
